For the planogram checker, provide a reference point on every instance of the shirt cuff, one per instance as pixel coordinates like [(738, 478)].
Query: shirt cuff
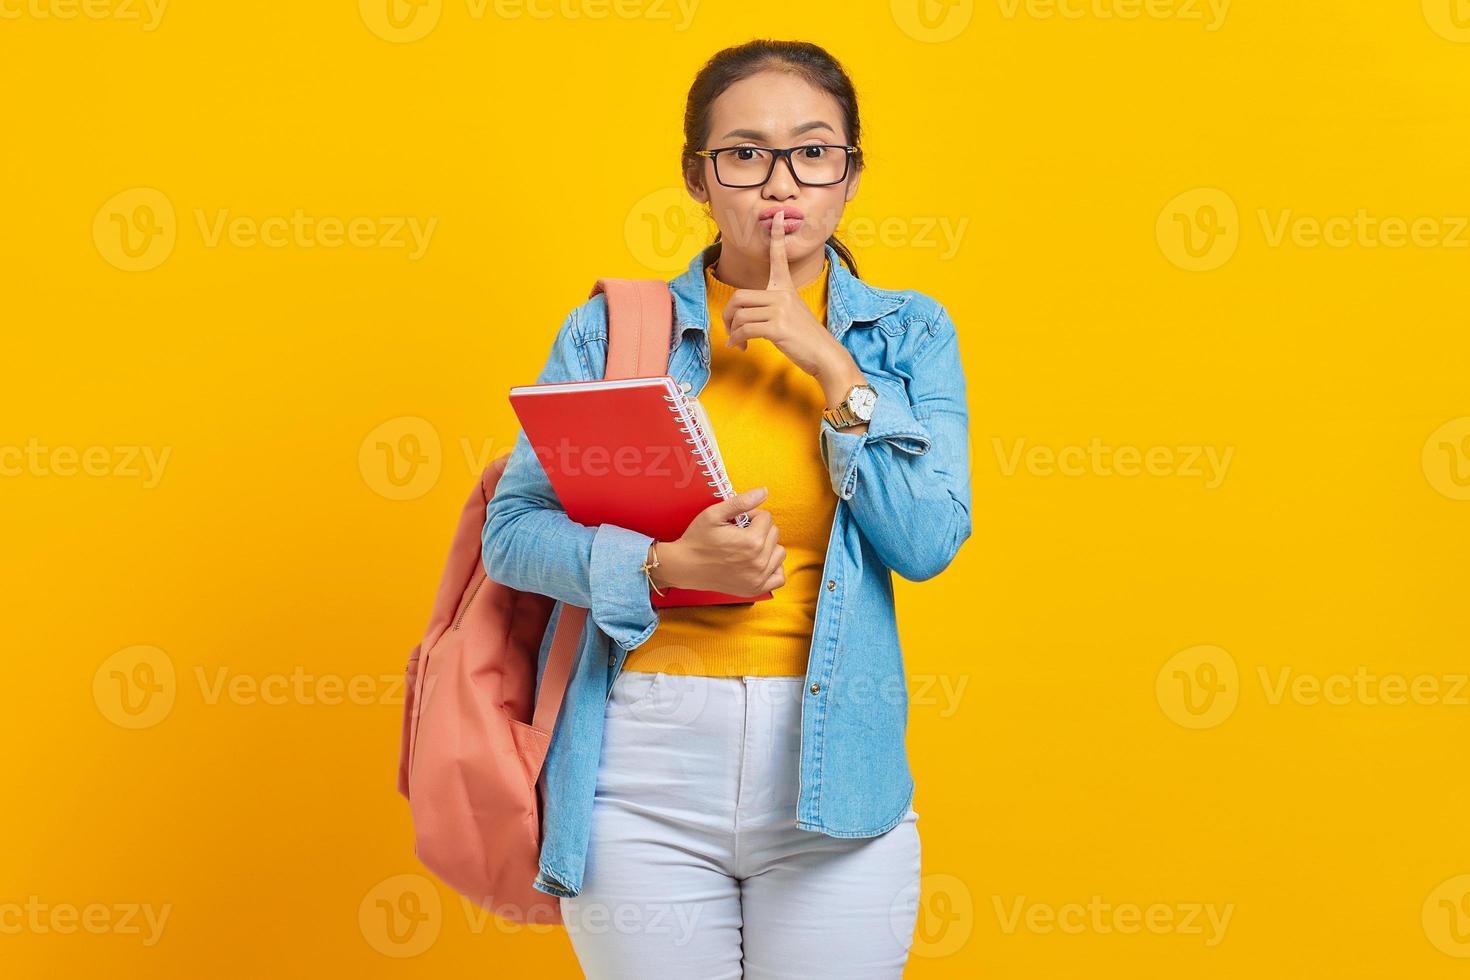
[(621, 605), (893, 422)]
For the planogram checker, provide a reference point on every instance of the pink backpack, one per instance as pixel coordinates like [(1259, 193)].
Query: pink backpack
[(473, 744)]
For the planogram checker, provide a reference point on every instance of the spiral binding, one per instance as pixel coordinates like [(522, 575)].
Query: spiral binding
[(689, 425)]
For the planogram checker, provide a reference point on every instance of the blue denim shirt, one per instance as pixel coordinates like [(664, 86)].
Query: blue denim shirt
[(903, 505)]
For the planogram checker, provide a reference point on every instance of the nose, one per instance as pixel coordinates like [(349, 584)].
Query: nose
[(782, 184)]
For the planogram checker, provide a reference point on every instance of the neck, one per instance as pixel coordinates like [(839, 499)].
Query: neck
[(747, 272)]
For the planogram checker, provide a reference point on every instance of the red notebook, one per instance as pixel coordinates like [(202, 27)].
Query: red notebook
[(635, 452)]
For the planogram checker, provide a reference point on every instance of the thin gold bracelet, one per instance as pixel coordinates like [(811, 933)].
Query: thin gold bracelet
[(648, 568)]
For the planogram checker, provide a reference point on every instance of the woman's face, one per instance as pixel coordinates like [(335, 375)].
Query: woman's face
[(776, 109)]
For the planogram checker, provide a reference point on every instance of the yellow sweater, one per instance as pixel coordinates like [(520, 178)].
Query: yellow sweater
[(766, 413)]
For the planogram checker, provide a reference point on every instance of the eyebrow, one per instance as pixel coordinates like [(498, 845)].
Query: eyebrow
[(755, 134)]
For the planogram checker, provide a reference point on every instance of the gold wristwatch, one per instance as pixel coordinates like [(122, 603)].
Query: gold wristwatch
[(855, 409)]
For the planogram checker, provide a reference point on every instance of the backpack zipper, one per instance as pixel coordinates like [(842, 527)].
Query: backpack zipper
[(468, 602)]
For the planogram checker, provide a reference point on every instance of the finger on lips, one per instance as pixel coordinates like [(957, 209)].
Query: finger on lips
[(780, 277)]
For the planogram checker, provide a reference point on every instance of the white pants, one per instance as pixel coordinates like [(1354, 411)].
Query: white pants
[(696, 868)]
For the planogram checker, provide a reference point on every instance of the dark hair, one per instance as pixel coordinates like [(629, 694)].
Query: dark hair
[(801, 58)]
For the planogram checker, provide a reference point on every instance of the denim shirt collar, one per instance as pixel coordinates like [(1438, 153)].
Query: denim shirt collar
[(850, 301)]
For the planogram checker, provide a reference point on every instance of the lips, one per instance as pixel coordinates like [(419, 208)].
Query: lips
[(792, 214)]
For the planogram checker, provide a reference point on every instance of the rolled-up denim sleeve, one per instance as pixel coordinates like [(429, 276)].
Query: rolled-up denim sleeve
[(530, 544), (907, 480)]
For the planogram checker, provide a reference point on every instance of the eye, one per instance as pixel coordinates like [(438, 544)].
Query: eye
[(813, 152), (741, 150)]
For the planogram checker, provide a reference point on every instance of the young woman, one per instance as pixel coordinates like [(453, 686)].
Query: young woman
[(727, 793)]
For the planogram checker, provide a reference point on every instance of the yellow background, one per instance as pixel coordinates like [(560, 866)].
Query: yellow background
[(1059, 753)]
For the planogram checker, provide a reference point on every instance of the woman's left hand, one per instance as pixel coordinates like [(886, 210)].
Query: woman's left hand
[(780, 315)]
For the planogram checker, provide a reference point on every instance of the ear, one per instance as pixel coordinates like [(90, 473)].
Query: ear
[(852, 185), (694, 182)]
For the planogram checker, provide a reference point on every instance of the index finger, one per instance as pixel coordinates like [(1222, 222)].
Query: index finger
[(780, 277)]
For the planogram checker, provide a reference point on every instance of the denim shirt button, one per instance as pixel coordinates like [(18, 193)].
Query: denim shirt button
[(685, 386), (831, 585), (612, 659), (816, 688)]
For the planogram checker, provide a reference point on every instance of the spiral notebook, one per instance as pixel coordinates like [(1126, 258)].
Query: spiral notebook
[(635, 452)]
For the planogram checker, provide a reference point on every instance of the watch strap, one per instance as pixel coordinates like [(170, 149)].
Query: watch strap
[(842, 416)]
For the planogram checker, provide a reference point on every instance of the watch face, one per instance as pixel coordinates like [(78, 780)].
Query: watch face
[(862, 399)]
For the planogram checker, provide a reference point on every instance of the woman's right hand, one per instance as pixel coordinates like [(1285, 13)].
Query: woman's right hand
[(718, 556)]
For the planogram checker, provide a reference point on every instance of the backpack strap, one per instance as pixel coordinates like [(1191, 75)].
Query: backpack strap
[(640, 324), (640, 333)]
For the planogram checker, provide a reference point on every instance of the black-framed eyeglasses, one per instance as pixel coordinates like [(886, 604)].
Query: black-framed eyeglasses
[(818, 165)]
